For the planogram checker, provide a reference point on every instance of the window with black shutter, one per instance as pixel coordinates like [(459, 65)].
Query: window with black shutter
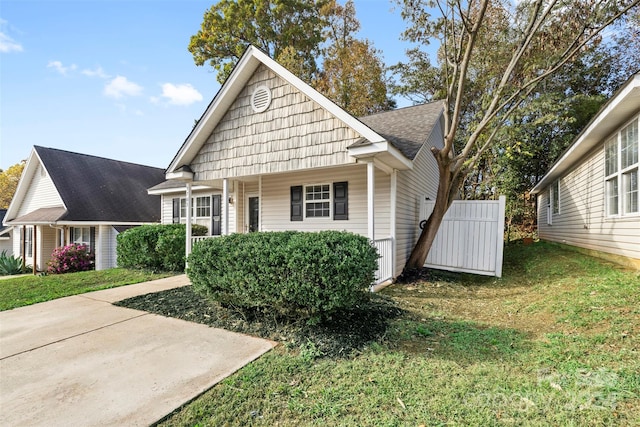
[(216, 215), (340, 201), (176, 211), (296, 203)]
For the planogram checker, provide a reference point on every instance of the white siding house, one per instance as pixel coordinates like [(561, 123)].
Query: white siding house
[(65, 197), (589, 198), (277, 155)]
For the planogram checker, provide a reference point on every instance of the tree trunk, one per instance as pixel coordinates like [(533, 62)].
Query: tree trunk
[(447, 189)]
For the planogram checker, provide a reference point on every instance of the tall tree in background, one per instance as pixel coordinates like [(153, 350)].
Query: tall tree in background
[(353, 73), (290, 31), (295, 33), (493, 58), (9, 182)]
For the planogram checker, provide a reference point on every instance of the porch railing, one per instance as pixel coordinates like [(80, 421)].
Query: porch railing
[(384, 247), (385, 262), (195, 239)]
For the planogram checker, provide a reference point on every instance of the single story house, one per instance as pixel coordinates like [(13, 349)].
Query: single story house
[(66, 197), (6, 236), (589, 197), (271, 153)]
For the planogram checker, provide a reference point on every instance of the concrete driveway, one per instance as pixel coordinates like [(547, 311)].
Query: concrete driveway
[(81, 361)]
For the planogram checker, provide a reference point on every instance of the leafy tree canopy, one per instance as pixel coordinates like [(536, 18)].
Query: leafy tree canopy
[(290, 31), (295, 33), (495, 62), (9, 182)]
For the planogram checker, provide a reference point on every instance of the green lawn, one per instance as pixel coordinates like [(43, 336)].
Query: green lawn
[(554, 342), (27, 290)]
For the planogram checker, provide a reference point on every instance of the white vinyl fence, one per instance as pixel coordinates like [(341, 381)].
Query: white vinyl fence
[(470, 238)]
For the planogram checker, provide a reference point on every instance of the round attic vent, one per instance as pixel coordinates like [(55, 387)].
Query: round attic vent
[(261, 99)]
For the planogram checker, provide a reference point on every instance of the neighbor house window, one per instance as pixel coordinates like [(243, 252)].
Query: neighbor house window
[(621, 171), (81, 236), (555, 194), (28, 241), (317, 201)]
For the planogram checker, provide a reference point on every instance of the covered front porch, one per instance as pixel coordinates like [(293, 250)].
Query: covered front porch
[(358, 198)]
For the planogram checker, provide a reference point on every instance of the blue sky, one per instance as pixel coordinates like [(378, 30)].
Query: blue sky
[(114, 78)]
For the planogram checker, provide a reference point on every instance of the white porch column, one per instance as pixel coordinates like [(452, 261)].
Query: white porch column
[(188, 247), (371, 188), (392, 219), (225, 206)]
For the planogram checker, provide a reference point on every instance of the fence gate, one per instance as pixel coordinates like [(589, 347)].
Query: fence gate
[(470, 238)]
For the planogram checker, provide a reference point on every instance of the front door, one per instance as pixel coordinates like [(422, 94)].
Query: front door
[(254, 214)]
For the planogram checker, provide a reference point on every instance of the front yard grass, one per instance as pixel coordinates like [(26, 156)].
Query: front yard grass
[(556, 341), (27, 290)]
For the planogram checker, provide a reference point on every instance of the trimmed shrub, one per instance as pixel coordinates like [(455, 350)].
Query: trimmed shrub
[(291, 273), (156, 247), (70, 259)]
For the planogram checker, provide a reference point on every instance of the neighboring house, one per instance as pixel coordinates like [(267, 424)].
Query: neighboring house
[(271, 153), (6, 233), (65, 197), (589, 198)]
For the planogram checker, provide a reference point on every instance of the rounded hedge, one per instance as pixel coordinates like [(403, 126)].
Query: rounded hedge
[(291, 273), (156, 247)]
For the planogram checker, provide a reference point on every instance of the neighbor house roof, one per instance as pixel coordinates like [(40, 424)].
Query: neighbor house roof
[(616, 112), (398, 142), (92, 189)]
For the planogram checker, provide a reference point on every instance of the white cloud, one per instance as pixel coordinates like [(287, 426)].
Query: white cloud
[(7, 43), (98, 72), (120, 87), (57, 65), (180, 94)]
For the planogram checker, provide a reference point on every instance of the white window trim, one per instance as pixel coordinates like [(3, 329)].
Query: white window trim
[(82, 241), (330, 200), (619, 174), (194, 208)]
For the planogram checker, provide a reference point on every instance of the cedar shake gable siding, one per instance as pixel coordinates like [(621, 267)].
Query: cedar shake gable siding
[(294, 133), (98, 189)]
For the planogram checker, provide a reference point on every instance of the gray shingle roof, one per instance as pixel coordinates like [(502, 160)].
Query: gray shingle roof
[(98, 189), (407, 128)]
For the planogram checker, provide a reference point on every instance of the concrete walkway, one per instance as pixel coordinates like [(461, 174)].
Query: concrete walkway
[(81, 361)]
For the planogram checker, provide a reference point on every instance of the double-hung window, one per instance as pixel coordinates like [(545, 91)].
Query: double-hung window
[(81, 236), (621, 172), (28, 241), (203, 207), (328, 201), (317, 201)]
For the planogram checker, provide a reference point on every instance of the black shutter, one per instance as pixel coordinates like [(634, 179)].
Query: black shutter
[(92, 240), (216, 220), (176, 210), (296, 203), (340, 200), (71, 236)]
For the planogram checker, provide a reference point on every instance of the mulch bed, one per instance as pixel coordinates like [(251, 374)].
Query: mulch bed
[(345, 334)]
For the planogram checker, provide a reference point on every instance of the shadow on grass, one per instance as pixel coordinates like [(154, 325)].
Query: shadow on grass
[(461, 341), (378, 322)]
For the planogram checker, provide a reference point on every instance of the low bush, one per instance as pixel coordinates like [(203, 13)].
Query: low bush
[(70, 259), (11, 265), (290, 273), (155, 247)]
